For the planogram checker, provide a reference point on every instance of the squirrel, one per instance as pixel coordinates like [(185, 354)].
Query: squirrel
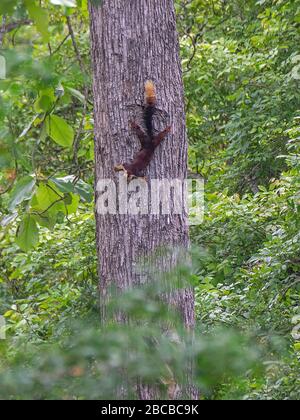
[(149, 141)]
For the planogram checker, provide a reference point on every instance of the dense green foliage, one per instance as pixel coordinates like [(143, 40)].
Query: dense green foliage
[(241, 65), (244, 131)]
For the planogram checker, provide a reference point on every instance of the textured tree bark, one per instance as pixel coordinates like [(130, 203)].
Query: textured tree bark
[(133, 41)]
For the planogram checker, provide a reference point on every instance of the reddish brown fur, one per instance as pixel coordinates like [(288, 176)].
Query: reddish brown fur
[(139, 163), (148, 141)]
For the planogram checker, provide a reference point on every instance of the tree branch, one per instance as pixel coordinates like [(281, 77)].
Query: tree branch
[(8, 27), (86, 91)]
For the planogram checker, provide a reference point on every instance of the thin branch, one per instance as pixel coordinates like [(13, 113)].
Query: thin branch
[(7, 189), (76, 49), (8, 27), (284, 292), (55, 192), (78, 134), (200, 33), (48, 208), (59, 46), (194, 45), (86, 91)]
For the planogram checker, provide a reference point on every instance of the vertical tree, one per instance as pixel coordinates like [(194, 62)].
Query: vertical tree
[(133, 41)]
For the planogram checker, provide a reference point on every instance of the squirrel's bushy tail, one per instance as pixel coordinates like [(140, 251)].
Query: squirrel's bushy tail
[(150, 101), (150, 93)]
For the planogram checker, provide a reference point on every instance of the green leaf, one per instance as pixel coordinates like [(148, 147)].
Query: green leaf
[(5, 157), (7, 6), (72, 202), (45, 220), (43, 134), (28, 233), (45, 101), (65, 185), (78, 95), (84, 190), (46, 196), (40, 17), (91, 154), (8, 313), (68, 199), (47, 204), (23, 190), (60, 131)]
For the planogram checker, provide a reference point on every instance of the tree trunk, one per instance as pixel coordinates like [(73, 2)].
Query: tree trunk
[(133, 41)]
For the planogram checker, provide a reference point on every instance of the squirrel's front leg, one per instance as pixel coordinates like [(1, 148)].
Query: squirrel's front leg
[(139, 132), (159, 138)]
